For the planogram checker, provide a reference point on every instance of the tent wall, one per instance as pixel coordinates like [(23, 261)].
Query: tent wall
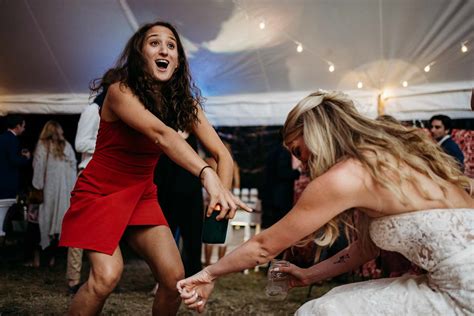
[(412, 103), (422, 102), (43, 104), (234, 110)]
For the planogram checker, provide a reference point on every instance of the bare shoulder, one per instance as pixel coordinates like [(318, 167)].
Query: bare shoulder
[(338, 189), (348, 175), (343, 186), (120, 102), (118, 90)]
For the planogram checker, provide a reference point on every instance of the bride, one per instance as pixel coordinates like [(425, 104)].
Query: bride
[(412, 198)]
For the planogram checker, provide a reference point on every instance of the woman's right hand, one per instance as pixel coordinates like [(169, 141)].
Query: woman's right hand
[(196, 290), (220, 198), (297, 276)]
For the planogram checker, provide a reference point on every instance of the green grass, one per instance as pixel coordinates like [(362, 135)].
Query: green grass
[(29, 291)]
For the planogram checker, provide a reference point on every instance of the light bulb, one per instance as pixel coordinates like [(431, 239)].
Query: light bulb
[(360, 85), (331, 68), (405, 84), (464, 48), (427, 68), (262, 25), (299, 48)]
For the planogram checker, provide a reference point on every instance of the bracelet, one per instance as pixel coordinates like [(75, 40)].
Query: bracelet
[(202, 170)]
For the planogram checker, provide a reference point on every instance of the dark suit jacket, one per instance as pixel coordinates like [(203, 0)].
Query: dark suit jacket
[(452, 149), (278, 190), (10, 163)]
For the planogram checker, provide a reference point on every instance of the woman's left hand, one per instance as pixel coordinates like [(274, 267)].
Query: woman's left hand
[(195, 290)]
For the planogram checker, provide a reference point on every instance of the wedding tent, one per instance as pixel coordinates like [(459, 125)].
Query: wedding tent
[(253, 59)]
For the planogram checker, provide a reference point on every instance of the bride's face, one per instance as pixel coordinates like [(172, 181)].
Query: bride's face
[(299, 149)]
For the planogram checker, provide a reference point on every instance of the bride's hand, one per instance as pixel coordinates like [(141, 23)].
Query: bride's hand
[(297, 275), (220, 198), (195, 290)]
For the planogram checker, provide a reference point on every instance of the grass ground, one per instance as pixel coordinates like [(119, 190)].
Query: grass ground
[(42, 291)]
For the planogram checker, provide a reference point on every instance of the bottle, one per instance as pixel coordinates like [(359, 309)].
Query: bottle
[(277, 281)]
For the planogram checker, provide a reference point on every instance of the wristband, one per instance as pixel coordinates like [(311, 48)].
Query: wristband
[(202, 170)]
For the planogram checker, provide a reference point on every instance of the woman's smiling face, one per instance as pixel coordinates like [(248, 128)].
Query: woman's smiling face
[(160, 50)]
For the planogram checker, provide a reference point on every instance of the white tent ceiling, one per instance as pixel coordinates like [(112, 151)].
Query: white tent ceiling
[(52, 49)]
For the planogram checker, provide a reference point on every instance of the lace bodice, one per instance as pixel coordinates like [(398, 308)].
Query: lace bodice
[(425, 237), (441, 242)]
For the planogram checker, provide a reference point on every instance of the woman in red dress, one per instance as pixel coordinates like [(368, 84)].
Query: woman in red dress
[(150, 95)]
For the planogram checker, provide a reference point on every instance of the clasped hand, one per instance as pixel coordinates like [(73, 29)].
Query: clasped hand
[(195, 290)]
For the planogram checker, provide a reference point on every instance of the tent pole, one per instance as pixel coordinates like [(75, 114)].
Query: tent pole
[(380, 105)]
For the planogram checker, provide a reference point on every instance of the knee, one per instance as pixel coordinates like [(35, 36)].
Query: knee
[(169, 282), (103, 282)]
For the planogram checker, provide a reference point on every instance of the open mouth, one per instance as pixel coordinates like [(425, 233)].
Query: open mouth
[(162, 64)]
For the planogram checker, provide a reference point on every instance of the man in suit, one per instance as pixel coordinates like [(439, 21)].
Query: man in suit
[(441, 132), (11, 160), (277, 198)]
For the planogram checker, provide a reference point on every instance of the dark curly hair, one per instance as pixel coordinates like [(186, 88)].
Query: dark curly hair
[(174, 102)]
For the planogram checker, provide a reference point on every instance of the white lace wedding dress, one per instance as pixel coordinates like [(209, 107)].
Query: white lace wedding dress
[(439, 241)]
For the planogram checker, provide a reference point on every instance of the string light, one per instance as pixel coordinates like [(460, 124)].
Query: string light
[(332, 68), (299, 48), (428, 67)]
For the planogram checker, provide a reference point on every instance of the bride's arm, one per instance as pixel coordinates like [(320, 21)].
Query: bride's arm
[(345, 260), (339, 189)]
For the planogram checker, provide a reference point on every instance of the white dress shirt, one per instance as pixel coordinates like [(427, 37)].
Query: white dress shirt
[(86, 136)]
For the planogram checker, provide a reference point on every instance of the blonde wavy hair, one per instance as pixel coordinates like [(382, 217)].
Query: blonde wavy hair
[(52, 136), (333, 131)]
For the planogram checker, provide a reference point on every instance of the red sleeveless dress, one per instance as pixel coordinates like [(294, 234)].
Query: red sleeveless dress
[(115, 190)]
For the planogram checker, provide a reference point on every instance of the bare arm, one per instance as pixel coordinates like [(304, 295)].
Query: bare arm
[(121, 103), (225, 165), (236, 176), (345, 260), (209, 138), (324, 198)]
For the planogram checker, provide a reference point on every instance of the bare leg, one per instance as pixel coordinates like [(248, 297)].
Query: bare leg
[(104, 275), (74, 265), (222, 250), (208, 254), (157, 247), (36, 258)]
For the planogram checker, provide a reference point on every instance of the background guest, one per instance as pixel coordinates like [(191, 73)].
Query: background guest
[(278, 193), (441, 132), (54, 171), (180, 198), (86, 136), (11, 160)]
